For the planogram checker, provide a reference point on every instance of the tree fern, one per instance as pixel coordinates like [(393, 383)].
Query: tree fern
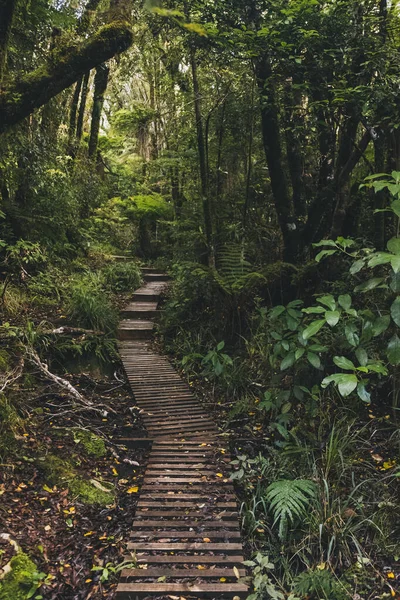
[(289, 500), (234, 273)]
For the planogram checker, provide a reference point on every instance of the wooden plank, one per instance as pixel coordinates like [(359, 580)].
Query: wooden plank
[(180, 573), (130, 590), (201, 536), (189, 559), (181, 523), (203, 513), (186, 546)]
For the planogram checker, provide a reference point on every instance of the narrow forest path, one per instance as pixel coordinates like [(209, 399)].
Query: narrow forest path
[(186, 533)]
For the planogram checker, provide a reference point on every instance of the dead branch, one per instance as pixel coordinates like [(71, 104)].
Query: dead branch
[(13, 375)]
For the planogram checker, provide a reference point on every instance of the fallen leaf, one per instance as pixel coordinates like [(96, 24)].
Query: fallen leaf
[(88, 533), (219, 475), (236, 571), (201, 567), (207, 540), (390, 575), (222, 579), (132, 490)]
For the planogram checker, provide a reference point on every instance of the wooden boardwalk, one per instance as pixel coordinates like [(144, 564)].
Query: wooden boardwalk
[(186, 535)]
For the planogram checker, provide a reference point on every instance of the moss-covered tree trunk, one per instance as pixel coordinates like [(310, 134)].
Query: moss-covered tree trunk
[(100, 87), (7, 12), (67, 65), (82, 107)]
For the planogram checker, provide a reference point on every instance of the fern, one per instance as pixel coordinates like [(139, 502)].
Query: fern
[(289, 500), (234, 274)]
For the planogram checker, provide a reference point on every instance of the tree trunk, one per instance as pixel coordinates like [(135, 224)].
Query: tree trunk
[(73, 117), (271, 135), (7, 12), (293, 126), (202, 158), (82, 106), (100, 87), (37, 88)]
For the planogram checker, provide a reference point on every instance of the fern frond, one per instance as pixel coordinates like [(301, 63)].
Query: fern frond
[(290, 500)]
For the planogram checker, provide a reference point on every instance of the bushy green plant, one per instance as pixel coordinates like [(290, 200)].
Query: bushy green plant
[(89, 305), (122, 276)]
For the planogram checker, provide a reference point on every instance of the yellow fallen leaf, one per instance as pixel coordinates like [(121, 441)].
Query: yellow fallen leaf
[(88, 580), (132, 490), (222, 579), (321, 566), (88, 533), (236, 571), (388, 464), (201, 567), (47, 528), (219, 475), (114, 470), (207, 540), (390, 575)]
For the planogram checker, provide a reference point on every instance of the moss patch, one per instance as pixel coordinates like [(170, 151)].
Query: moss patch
[(92, 443), (60, 472), (19, 580), (10, 423)]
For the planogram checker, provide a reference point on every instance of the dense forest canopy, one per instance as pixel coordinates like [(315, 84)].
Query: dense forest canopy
[(251, 148)]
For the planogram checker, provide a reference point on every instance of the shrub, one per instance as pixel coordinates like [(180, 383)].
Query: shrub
[(89, 306), (122, 276)]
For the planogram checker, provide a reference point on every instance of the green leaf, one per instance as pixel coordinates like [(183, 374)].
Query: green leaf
[(220, 345), (362, 392), (345, 301), (351, 334), (393, 351), (276, 312), (380, 258), (313, 328), (314, 310), (325, 243), (395, 206), (357, 266), (347, 385), (332, 317), (314, 359), (395, 311), (393, 245), (328, 301), (369, 285), (344, 363), (395, 262), (380, 325), (362, 356), (299, 353), (395, 281), (324, 253), (288, 361)]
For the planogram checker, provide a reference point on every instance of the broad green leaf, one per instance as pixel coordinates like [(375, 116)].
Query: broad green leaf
[(347, 385), (324, 253), (345, 301), (393, 245), (377, 367), (351, 334), (314, 310), (395, 262), (395, 281), (369, 285), (332, 317), (362, 392), (380, 325), (380, 258), (393, 350), (362, 356), (328, 301), (344, 363), (288, 361), (357, 266), (395, 206), (395, 311), (325, 243), (299, 353), (220, 345), (313, 329), (345, 242), (276, 311), (314, 359), (318, 348)]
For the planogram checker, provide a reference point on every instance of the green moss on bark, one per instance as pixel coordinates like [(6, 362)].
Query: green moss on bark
[(19, 580)]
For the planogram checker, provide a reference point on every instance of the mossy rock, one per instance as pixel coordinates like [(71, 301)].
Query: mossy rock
[(18, 582), (60, 472), (92, 443)]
